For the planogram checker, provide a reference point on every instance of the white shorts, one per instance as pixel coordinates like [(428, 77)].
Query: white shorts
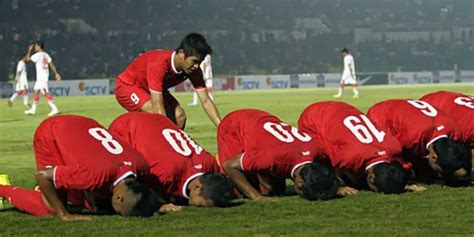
[(208, 83), (21, 85), (42, 85), (348, 79)]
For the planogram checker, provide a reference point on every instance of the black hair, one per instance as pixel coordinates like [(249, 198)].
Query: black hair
[(218, 188), (390, 178), (451, 155), (146, 204), (344, 50), (22, 56), (40, 44), (141, 52), (194, 44), (319, 182)]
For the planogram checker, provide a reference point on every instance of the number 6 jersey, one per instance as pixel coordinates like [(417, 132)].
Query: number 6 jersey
[(266, 143), (84, 155), (415, 123), (351, 141)]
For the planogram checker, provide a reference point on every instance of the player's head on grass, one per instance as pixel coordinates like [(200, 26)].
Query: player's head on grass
[(449, 158), (314, 181), (387, 178), (133, 198), (211, 190), (190, 52)]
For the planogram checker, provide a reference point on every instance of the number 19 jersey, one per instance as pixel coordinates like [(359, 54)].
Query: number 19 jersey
[(351, 141)]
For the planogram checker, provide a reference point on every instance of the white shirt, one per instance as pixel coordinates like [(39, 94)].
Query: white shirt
[(21, 69), (206, 67), (42, 60), (349, 60)]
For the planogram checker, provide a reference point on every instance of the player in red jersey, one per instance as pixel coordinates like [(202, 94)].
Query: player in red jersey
[(362, 152), (458, 106), (78, 161), (180, 165), (424, 132), (144, 84), (255, 142)]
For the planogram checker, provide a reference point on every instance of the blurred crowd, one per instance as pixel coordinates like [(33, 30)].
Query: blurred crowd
[(97, 39)]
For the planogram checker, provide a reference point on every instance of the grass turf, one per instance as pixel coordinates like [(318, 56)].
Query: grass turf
[(439, 211)]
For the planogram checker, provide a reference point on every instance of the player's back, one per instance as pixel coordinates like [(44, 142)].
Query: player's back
[(458, 106), (350, 139), (41, 60), (136, 72)]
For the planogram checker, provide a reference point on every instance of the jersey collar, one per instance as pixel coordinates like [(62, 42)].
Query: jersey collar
[(186, 183), (173, 55)]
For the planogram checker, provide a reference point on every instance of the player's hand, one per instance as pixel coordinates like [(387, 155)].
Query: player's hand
[(70, 217), (415, 188), (170, 207), (265, 198), (347, 191), (30, 47), (58, 77)]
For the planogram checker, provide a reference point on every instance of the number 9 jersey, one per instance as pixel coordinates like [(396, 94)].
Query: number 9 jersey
[(415, 123), (351, 141), (83, 154)]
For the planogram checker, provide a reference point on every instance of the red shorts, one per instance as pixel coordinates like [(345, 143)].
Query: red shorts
[(133, 97)]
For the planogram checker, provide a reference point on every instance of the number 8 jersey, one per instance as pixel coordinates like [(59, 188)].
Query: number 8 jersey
[(351, 141), (84, 155), (265, 143), (415, 123)]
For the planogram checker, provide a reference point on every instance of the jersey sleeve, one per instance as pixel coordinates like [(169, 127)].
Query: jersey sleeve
[(197, 80), (35, 57), (20, 67), (155, 74), (73, 177), (256, 160), (48, 58)]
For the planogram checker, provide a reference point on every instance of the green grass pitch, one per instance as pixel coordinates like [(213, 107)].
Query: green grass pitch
[(440, 211)]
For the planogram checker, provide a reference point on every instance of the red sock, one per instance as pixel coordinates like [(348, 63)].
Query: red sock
[(25, 200), (36, 98), (49, 96)]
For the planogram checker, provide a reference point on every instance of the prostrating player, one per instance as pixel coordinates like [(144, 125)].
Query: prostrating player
[(348, 75), (183, 168), (21, 80), (458, 106), (144, 84), (206, 68), (363, 153), (43, 62), (428, 136), (79, 162), (253, 142)]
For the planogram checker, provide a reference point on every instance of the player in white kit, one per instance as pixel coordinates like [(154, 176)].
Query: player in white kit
[(206, 68), (348, 75), (21, 80), (42, 62)]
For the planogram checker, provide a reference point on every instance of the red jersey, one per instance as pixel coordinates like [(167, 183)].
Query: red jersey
[(351, 141), (458, 106), (155, 71), (268, 144), (84, 155), (174, 158), (416, 124)]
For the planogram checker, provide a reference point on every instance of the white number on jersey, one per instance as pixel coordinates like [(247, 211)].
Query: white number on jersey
[(135, 99), (465, 101), (425, 108), (282, 134), (363, 132), (181, 142), (107, 140)]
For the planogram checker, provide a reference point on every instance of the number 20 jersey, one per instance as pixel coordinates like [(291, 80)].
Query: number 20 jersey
[(414, 123), (350, 140)]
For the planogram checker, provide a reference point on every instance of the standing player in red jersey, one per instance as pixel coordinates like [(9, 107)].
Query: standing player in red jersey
[(78, 161), (144, 84), (180, 165), (458, 106), (356, 147), (254, 142), (424, 132)]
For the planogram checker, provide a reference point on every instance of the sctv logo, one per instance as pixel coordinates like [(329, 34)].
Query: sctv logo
[(92, 90), (60, 90), (247, 85), (276, 84)]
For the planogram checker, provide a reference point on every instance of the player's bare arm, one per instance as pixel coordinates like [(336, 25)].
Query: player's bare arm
[(28, 54), (55, 70), (157, 104), (209, 106), (44, 178), (233, 169)]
